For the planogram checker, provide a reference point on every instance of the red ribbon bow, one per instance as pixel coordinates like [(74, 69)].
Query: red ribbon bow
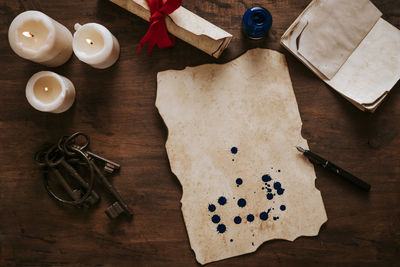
[(157, 33)]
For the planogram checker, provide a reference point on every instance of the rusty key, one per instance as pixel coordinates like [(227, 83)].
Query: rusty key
[(68, 144), (117, 207), (54, 158)]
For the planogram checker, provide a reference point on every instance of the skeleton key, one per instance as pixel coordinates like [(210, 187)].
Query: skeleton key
[(68, 144), (74, 194), (109, 166), (55, 158), (117, 207)]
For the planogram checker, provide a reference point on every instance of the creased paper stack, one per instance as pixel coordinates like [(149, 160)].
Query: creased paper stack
[(350, 47)]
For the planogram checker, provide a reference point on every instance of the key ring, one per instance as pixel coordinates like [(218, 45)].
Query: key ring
[(69, 144), (40, 155), (50, 163)]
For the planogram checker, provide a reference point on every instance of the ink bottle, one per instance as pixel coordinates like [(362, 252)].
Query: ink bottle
[(256, 22)]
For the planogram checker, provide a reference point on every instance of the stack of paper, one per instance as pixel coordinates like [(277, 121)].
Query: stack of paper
[(350, 47)]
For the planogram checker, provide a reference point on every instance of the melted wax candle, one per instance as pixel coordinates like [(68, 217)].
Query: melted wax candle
[(95, 45), (49, 92), (37, 37)]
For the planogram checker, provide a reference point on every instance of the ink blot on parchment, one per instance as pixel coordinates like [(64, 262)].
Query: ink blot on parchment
[(215, 219), (237, 220), (278, 188), (239, 181), (211, 207), (241, 202), (222, 201), (208, 109), (250, 217), (266, 178), (221, 228), (264, 216), (234, 150)]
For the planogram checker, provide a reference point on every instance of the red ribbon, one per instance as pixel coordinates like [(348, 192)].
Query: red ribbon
[(157, 33)]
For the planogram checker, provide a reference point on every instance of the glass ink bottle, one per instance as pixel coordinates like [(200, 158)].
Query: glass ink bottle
[(256, 22)]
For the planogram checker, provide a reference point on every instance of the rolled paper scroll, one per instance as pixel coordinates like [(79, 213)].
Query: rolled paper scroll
[(186, 26)]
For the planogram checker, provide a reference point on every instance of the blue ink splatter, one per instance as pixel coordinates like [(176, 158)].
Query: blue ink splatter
[(234, 150), (277, 185), (231, 240), (250, 217), (270, 196), (279, 170), (237, 220), (241, 202), (266, 178), (215, 219), (221, 228), (222, 200), (276, 218), (211, 207), (283, 207), (239, 181), (269, 190), (264, 215)]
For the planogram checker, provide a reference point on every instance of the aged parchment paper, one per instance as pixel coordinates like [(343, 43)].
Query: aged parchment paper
[(232, 132), (373, 67), (185, 25), (334, 29)]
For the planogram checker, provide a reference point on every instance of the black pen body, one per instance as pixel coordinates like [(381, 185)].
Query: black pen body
[(336, 169)]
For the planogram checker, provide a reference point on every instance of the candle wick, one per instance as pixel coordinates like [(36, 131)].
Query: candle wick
[(27, 34), (89, 41), (46, 89)]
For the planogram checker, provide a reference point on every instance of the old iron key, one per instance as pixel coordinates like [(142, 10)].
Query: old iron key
[(109, 166), (51, 160), (120, 205), (68, 143)]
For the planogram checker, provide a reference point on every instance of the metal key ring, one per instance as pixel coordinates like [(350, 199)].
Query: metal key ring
[(61, 143), (69, 143), (40, 155), (51, 156), (85, 196)]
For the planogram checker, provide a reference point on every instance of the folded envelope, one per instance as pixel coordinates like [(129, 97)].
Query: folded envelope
[(185, 25), (350, 47)]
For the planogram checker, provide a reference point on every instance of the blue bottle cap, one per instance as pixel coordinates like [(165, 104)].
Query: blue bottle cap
[(256, 22)]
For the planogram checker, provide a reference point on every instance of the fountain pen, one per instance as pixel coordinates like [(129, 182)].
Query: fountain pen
[(314, 158)]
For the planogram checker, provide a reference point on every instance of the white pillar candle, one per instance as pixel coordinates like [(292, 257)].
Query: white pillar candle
[(95, 45), (37, 37), (49, 92)]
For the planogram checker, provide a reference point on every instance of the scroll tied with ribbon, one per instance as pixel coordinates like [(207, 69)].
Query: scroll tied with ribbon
[(157, 33)]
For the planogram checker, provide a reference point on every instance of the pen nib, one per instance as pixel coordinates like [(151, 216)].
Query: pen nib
[(302, 150)]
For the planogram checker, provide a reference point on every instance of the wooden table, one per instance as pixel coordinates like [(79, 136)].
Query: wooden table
[(116, 107)]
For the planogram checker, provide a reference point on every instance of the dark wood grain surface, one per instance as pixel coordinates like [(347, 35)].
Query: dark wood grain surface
[(116, 107)]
